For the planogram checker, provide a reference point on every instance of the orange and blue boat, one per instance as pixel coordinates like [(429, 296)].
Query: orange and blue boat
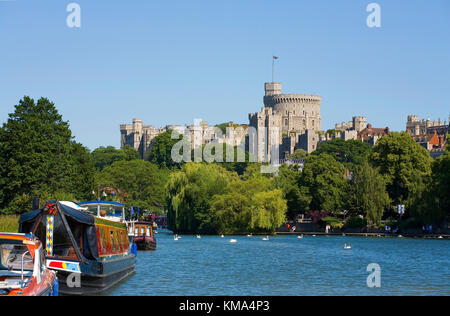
[(22, 267), (90, 252)]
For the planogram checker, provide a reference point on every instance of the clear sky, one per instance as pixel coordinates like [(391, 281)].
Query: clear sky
[(170, 62)]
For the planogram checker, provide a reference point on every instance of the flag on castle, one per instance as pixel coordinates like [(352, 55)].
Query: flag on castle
[(275, 57)]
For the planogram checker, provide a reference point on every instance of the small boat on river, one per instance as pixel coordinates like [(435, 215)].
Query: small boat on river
[(22, 267), (90, 252), (144, 236)]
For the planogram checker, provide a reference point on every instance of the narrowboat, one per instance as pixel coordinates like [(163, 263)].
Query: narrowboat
[(90, 252), (144, 236), (22, 267)]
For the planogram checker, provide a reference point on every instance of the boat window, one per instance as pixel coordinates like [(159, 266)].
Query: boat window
[(113, 244), (136, 231), (148, 231), (11, 257), (142, 231)]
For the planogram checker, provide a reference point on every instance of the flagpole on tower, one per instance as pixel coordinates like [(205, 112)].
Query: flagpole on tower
[(273, 67)]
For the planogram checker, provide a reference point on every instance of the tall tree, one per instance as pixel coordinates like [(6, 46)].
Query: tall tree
[(405, 165), (288, 180), (323, 179), (367, 194), (38, 156), (160, 151)]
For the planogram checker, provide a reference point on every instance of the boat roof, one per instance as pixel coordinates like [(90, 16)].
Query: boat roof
[(102, 203)]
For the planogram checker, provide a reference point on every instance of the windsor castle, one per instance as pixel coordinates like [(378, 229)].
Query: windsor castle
[(286, 123)]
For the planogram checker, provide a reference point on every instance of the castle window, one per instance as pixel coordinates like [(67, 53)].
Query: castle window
[(286, 122)]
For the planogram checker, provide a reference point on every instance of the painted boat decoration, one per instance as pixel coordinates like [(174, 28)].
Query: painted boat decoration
[(91, 253), (22, 267), (144, 236)]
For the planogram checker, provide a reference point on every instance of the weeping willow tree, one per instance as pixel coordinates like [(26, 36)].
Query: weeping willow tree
[(188, 196), (249, 206)]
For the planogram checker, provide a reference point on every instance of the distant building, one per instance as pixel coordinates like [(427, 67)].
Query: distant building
[(371, 135), (432, 135), (416, 127), (140, 136)]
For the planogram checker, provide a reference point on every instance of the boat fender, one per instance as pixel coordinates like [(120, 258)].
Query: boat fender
[(134, 249), (55, 288)]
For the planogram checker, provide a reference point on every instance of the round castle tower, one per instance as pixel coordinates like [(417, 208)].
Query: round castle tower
[(299, 111)]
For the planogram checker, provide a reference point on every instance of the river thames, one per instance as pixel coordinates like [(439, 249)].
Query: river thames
[(288, 266)]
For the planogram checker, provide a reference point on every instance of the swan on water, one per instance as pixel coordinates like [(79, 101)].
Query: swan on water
[(266, 238), (222, 236), (199, 237), (347, 246), (233, 241), (300, 237)]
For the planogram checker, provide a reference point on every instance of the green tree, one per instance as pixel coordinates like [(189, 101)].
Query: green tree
[(434, 208), (106, 156), (299, 154), (323, 180), (160, 151), (249, 206), (38, 156), (350, 153), (405, 165), (288, 180), (189, 193), (136, 182), (367, 194)]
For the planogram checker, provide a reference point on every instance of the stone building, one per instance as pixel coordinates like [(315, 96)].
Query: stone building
[(371, 134), (416, 127), (431, 135), (284, 121), (140, 136), (358, 123)]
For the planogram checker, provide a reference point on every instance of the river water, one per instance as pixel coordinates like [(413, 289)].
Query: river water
[(288, 266)]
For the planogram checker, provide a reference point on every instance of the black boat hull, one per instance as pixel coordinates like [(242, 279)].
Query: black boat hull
[(146, 245), (97, 277)]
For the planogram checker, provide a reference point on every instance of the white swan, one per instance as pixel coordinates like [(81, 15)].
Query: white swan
[(222, 236), (300, 236), (347, 246), (233, 241), (249, 235), (199, 237), (266, 238)]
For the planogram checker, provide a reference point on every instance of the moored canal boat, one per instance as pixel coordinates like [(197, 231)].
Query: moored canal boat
[(144, 236), (22, 267), (91, 253)]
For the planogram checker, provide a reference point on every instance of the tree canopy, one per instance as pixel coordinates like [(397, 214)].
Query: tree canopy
[(350, 153), (405, 165), (38, 157), (323, 180), (136, 183), (367, 194), (160, 151), (106, 156)]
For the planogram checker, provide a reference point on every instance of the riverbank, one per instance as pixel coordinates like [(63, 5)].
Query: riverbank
[(373, 235), (9, 223)]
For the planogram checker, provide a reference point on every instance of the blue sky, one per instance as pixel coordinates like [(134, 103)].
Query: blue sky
[(170, 62)]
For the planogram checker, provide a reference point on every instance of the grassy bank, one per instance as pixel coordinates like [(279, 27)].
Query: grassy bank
[(9, 223)]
